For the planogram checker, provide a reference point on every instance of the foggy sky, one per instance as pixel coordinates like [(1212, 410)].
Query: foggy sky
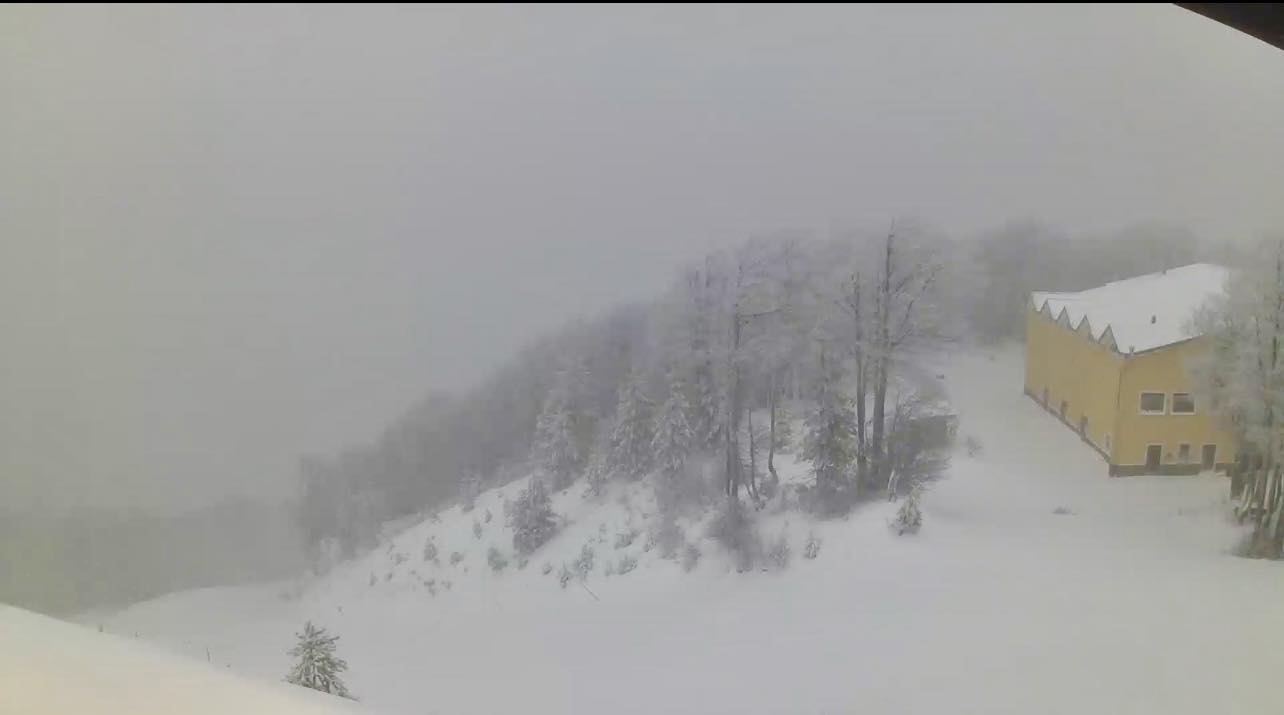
[(229, 236)]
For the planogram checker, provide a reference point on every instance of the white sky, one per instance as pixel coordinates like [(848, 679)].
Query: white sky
[(230, 235)]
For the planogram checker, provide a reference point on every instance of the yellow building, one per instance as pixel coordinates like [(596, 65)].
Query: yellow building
[(1113, 364)]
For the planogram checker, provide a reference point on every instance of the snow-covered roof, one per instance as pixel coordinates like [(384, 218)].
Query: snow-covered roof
[(1141, 313)]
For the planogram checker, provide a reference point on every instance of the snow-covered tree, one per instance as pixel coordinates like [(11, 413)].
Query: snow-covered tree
[(706, 407), (556, 439), (532, 518), (829, 443), (598, 470), (1242, 380), (909, 517), (674, 438), (632, 433), (318, 666)]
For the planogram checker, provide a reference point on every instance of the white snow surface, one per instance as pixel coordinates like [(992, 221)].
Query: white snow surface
[(1144, 312), (48, 666), (1127, 601)]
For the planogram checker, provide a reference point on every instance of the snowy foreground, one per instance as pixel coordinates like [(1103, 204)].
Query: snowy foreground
[(47, 666), (1038, 585)]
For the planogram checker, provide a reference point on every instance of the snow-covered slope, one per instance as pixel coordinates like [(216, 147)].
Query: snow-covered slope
[(48, 666), (1038, 584)]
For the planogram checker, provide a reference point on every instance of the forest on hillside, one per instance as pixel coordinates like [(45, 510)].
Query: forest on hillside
[(829, 328)]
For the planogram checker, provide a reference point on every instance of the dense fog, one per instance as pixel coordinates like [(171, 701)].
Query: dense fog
[(286, 274)]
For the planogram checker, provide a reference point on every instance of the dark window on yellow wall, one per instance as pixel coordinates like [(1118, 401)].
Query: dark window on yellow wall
[(1152, 403), (1183, 453), (1183, 403)]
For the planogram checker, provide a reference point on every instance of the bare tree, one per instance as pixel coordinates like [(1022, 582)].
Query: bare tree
[(904, 288)]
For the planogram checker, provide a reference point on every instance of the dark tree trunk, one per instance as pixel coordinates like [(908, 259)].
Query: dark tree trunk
[(731, 430), (751, 484), (881, 359), (862, 389), (771, 438)]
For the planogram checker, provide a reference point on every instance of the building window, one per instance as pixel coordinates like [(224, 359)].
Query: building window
[(1152, 403), (1183, 403), (1183, 453)]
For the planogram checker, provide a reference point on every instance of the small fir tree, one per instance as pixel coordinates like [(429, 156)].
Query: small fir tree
[(318, 666), (632, 434), (829, 443), (556, 443)]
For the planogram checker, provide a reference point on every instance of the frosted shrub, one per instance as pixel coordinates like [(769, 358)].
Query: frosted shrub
[(583, 566), (812, 548), (627, 564), (690, 557), (496, 560), (778, 552), (908, 517), (531, 517), (734, 530), (668, 536), (430, 550)]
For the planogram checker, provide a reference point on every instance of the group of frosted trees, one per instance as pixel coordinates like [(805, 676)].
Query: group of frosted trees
[(819, 325), (826, 329)]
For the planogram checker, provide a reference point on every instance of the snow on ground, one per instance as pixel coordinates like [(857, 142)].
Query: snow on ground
[(48, 666), (1127, 602)]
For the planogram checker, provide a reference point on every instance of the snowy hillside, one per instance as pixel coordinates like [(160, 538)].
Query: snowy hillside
[(47, 666), (1037, 584)]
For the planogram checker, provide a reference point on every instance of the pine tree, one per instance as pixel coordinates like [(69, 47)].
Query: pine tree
[(531, 517), (318, 667), (556, 444), (829, 443), (706, 409), (673, 435), (632, 434), (598, 470)]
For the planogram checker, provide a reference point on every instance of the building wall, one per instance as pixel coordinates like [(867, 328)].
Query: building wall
[(1165, 370), (1074, 368)]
